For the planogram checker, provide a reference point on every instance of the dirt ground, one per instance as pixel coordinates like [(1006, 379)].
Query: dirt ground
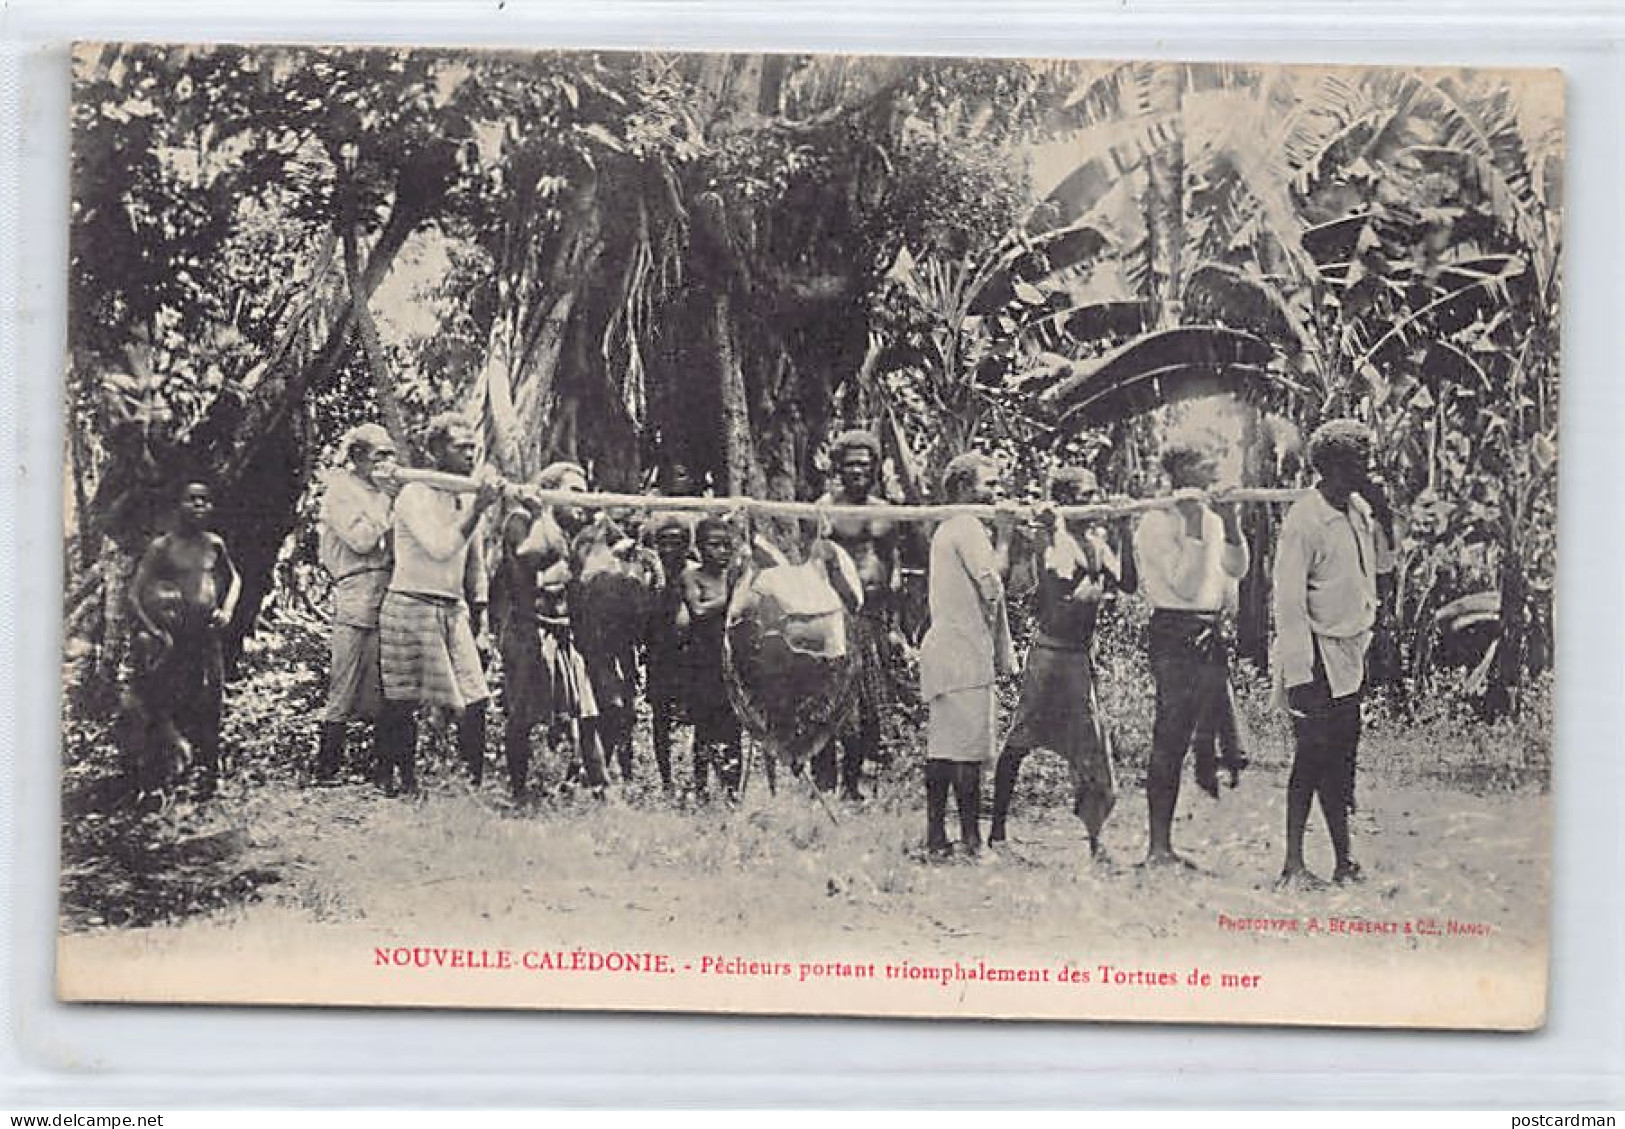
[(775, 872), (1453, 831)]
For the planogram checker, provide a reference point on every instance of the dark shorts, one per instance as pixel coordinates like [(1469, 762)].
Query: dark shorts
[(1326, 735), (1190, 664)]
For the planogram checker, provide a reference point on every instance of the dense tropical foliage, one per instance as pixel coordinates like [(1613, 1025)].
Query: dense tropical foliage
[(644, 261)]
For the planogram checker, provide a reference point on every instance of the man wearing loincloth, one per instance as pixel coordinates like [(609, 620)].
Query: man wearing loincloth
[(872, 543), (1334, 542), (545, 678), (967, 647), (1058, 709), (184, 594), (355, 551), (665, 638), (611, 580), (1190, 558), (707, 587), (437, 592)]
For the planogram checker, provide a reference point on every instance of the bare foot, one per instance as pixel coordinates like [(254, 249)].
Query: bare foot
[(1167, 859), (1298, 879), (1347, 873), (1234, 767)]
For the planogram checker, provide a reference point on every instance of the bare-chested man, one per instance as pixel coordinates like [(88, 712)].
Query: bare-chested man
[(872, 543), (184, 594)]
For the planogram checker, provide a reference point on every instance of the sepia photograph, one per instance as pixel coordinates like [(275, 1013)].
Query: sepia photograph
[(810, 535)]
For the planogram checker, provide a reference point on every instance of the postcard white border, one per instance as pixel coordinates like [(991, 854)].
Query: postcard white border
[(204, 1057)]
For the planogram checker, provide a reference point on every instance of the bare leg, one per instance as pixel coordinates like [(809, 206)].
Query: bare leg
[(330, 751), (471, 740), (516, 751), (968, 799), (1308, 779), (732, 766), (616, 726), (396, 743), (664, 723), (1179, 697), (702, 769), (1344, 737), (1005, 777), (1301, 789), (938, 779), (824, 771)]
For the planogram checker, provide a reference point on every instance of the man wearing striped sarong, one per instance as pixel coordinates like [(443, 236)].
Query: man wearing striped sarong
[(428, 620)]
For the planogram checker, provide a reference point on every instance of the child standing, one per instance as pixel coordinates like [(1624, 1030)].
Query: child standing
[(666, 638), (707, 587)]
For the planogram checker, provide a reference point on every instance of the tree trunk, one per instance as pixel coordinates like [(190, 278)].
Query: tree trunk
[(1501, 696), (741, 473), (383, 383), (1258, 525), (545, 327), (272, 406), (1165, 199), (83, 525)]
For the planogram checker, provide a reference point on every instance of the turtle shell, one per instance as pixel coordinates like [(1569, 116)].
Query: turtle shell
[(790, 663)]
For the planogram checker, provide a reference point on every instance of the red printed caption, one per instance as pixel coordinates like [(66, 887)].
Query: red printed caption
[(944, 974)]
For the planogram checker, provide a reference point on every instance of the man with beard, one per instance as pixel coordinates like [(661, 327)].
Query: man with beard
[(872, 543)]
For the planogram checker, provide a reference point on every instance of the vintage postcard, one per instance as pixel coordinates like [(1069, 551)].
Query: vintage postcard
[(810, 535)]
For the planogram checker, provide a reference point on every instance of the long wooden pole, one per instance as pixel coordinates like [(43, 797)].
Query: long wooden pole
[(813, 511)]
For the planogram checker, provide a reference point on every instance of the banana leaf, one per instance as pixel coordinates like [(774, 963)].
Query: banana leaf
[(1041, 257), (1164, 367)]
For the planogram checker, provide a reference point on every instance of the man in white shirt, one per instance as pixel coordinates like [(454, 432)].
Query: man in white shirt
[(355, 552), (1334, 542), (967, 647), (426, 624), (1190, 557)]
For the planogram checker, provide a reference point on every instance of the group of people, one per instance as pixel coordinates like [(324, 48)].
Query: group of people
[(413, 598), (1333, 542)]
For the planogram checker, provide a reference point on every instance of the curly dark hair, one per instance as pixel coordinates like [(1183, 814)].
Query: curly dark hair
[(1069, 483), (855, 438), (441, 427), (1346, 441)]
